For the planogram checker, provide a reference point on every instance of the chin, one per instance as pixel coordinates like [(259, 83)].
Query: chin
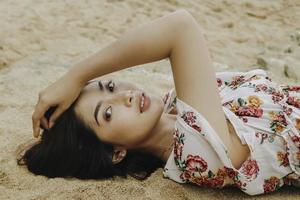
[(156, 107)]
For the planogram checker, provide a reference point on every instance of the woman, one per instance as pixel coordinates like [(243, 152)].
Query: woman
[(237, 130)]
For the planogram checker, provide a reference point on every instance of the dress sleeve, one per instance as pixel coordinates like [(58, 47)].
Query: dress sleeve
[(292, 93), (169, 100), (193, 120), (234, 79)]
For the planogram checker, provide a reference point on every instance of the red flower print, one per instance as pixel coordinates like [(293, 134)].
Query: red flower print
[(261, 87), (277, 96), (185, 175), (230, 172), (236, 81), (287, 110), (250, 168), (196, 163), (190, 119), (293, 101), (295, 138), (271, 184), (295, 88), (178, 144), (178, 150), (281, 117), (197, 128), (219, 81), (216, 182), (249, 111)]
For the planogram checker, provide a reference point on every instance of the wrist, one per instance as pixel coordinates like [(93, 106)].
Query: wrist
[(76, 77)]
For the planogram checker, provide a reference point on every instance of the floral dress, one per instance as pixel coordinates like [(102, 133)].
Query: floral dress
[(265, 116)]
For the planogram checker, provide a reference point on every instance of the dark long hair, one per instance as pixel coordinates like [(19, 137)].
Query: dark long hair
[(71, 149)]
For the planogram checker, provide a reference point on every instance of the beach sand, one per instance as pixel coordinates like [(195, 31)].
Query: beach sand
[(40, 40)]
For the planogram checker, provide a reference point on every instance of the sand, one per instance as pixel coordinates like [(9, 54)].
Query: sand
[(40, 40)]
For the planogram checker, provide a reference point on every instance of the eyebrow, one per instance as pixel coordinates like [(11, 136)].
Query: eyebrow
[(99, 83), (98, 104), (97, 110)]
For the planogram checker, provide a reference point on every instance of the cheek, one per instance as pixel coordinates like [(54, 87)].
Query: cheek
[(128, 126), (142, 123), (133, 119)]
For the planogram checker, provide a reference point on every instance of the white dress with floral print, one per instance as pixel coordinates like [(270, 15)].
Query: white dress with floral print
[(265, 116)]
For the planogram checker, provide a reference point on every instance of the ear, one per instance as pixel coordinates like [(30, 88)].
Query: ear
[(118, 155)]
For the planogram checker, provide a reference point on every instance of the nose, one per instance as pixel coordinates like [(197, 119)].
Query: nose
[(128, 98), (123, 97)]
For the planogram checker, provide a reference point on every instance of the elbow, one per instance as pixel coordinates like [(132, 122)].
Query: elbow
[(184, 19)]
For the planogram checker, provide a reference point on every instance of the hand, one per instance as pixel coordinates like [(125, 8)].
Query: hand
[(60, 94)]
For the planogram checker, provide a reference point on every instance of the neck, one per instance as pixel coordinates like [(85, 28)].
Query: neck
[(161, 141)]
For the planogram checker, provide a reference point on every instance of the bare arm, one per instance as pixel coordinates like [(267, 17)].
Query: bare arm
[(150, 42), (146, 43), (176, 36)]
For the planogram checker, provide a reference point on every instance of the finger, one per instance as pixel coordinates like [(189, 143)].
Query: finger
[(36, 132), (39, 111), (59, 110), (44, 123)]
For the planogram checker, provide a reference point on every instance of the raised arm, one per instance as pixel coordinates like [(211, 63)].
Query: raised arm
[(150, 42), (146, 43), (176, 36)]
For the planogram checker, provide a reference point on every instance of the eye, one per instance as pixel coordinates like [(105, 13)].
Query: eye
[(110, 86), (107, 114)]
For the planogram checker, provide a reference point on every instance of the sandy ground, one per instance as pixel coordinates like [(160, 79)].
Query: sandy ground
[(40, 40)]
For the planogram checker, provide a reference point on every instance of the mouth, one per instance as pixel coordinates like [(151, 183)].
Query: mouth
[(144, 103)]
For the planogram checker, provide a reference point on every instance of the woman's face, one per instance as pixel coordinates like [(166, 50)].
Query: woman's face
[(118, 120)]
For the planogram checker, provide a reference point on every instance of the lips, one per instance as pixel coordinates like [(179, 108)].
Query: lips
[(146, 104), (141, 96)]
